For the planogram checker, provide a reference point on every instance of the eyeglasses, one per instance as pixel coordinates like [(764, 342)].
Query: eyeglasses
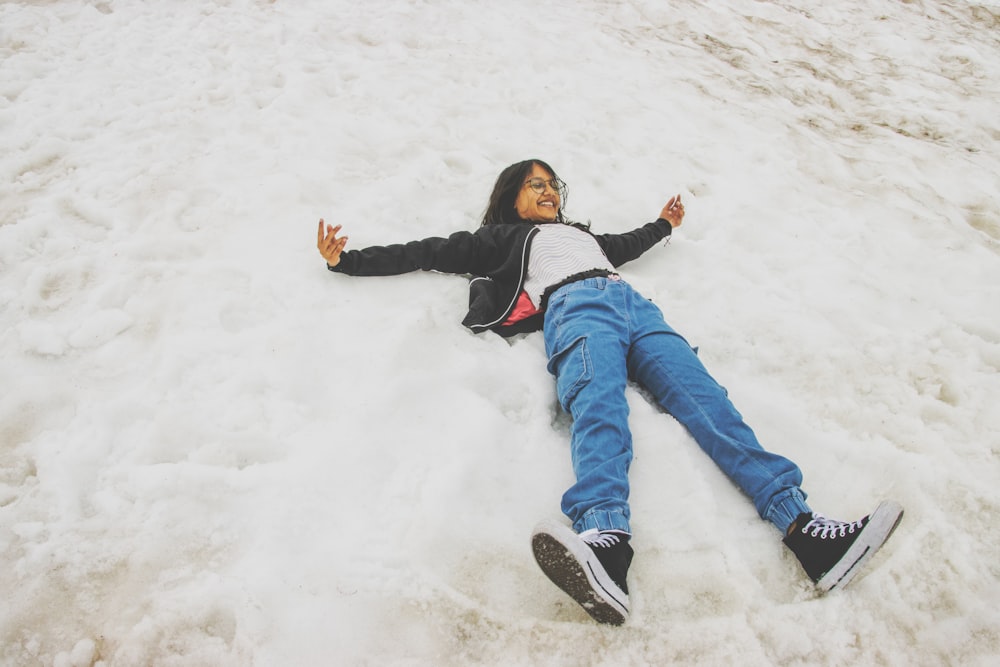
[(538, 184)]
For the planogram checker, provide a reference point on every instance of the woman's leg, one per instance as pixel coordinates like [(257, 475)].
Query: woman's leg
[(665, 364), (586, 341)]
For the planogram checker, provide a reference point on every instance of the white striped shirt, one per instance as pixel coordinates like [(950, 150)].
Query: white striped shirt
[(558, 252)]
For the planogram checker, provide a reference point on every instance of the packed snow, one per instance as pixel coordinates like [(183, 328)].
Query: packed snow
[(213, 451)]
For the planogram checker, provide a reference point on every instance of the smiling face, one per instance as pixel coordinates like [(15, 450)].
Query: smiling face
[(534, 206)]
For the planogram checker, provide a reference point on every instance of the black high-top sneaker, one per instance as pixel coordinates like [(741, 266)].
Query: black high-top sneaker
[(591, 567), (833, 552)]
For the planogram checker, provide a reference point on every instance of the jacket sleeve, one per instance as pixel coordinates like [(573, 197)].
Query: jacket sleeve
[(462, 252), (621, 248)]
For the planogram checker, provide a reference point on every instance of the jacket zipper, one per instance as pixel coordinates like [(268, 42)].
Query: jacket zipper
[(520, 283)]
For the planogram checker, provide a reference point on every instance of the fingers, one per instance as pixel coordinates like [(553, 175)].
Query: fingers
[(338, 244), (330, 246), (325, 238), (673, 211), (675, 207), (673, 204), (322, 236)]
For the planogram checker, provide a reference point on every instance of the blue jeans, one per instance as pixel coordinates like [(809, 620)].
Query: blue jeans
[(599, 334)]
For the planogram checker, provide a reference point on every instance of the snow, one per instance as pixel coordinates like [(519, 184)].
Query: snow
[(215, 452)]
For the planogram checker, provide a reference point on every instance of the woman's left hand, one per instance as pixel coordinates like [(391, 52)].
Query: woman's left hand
[(673, 211)]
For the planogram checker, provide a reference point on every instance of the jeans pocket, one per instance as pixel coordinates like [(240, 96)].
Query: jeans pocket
[(573, 370)]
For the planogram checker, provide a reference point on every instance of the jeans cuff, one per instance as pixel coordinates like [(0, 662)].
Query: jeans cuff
[(786, 507), (603, 520)]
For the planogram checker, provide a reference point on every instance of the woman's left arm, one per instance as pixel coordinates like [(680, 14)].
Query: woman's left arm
[(622, 248)]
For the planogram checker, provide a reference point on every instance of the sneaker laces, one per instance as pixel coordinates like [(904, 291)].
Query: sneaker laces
[(828, 528), (606, 538)]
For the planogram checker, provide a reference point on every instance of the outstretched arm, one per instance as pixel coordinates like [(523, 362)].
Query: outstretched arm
[(461, 252), (622, 248), (329, 244)]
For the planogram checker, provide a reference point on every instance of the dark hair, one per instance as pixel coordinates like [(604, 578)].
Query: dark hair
[(501, 209)]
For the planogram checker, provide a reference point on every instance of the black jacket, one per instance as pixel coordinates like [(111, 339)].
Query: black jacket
[(497, 258)]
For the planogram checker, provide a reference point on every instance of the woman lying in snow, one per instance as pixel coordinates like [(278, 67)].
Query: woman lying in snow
[(534, 269)]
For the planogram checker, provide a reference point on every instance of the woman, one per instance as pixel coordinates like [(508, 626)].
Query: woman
[(533, 269)]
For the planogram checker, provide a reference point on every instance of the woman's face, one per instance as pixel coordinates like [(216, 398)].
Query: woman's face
[(538, 206)]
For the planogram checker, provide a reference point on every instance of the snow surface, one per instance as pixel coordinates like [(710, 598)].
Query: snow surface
[(215, 452)]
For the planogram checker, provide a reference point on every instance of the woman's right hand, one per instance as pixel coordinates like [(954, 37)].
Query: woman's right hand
[(329, 244)]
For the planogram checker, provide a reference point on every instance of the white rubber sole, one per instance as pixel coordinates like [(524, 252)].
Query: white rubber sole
[(573, 567), (880, 525)]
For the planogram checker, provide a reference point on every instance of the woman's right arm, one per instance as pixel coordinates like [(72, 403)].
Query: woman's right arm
[(462, 252)]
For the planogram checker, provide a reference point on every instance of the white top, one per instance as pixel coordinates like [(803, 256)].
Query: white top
[(558, 252)]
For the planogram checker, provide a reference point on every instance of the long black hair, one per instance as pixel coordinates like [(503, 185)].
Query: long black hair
[(501, 209)]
